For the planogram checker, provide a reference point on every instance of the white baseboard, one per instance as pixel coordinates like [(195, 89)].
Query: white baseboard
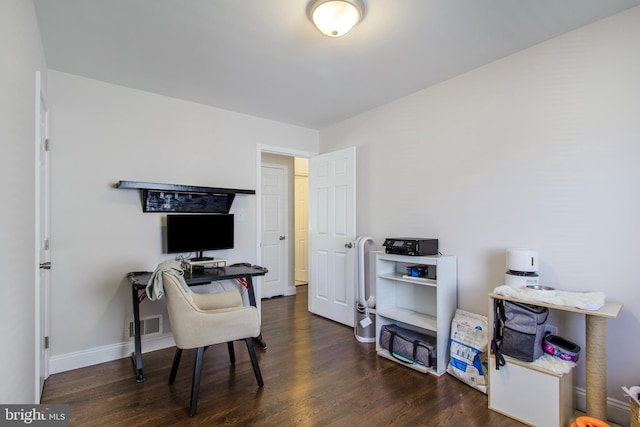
[(94, 356), (290, 290), (618, 411)]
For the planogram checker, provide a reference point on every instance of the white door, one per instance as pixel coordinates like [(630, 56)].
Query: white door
[(43, 256), (301, 234), (332, 235), (274, 221)]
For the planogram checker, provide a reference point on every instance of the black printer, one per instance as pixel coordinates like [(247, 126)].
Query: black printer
[(410, 246)]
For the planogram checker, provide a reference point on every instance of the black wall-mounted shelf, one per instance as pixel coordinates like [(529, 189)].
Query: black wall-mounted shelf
[(158, 197)]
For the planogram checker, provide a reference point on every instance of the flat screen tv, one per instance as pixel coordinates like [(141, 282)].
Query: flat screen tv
[(198, 233)]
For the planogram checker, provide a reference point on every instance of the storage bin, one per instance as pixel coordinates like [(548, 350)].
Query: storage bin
[(531, 395)]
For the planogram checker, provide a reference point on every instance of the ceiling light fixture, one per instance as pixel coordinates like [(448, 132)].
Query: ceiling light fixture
[(335, 18)]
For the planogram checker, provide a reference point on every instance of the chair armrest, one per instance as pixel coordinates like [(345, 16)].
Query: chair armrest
[(217, 300)]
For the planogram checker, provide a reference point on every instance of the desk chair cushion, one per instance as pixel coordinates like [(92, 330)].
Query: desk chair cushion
[(216, 300), (199, 320)]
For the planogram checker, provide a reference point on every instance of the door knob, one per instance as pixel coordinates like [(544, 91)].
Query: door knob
[(45, 265), (348, 245), (282, 237)]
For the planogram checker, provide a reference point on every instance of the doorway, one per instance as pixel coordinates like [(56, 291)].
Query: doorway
[(331, 231), (301, 221), (283, 211)]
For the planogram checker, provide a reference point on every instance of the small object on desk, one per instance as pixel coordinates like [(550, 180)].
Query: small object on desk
[(215, 263)]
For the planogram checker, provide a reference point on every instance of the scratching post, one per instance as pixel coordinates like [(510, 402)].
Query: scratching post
[(596, 366), (635, 414)]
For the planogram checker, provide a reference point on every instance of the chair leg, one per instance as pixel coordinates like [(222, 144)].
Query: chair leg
[(195, 385), (254, 361), (174, 367), (232, 352)]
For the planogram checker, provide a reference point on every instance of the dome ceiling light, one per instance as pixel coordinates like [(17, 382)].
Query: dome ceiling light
[(335, 18)]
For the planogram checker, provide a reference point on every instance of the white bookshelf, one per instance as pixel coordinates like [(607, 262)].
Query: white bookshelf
[(426, 305)]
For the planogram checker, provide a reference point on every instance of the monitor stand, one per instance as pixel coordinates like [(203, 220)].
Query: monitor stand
[(200, 258)]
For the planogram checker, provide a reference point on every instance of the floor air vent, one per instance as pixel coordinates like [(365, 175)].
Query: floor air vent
[(148, 326)]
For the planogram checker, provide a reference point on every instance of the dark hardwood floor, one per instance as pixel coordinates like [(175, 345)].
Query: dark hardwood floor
[(315, 373)]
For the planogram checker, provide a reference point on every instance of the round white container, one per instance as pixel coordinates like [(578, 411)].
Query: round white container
[(522, 259)]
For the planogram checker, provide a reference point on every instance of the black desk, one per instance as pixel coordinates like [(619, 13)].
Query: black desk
[(139, 280)]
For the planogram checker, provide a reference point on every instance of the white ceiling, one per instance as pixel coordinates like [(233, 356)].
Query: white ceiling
[(265, 58)]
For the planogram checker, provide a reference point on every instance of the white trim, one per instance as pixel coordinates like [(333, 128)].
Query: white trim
[(108, 353), (618, 411), (36, 278), (284, 151)]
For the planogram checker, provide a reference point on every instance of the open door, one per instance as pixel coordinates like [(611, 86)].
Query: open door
[(332, 235), (43, 255)]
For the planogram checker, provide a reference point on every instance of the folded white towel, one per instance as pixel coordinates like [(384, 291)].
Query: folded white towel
[(583, 300)]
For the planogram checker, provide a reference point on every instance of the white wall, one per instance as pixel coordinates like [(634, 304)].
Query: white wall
[(21, 56), (539, 149), (101, 134)]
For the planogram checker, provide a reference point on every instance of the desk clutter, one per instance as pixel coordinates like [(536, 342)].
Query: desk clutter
[(190, 265)]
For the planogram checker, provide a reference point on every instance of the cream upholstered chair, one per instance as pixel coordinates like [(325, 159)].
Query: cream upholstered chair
[(201, 320)]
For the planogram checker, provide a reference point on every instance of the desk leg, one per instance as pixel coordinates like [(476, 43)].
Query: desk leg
[(252, 301), (596, 366), (137, 355)]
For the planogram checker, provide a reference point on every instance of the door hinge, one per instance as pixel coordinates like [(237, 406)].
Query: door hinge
[(46, 144), (46, 342)]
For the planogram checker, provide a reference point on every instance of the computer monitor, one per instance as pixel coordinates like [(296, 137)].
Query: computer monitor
[(199, 232)]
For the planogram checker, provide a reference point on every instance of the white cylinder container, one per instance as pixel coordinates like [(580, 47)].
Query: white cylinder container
[(522, 259)]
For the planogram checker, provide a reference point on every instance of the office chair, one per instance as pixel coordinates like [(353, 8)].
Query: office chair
[(201, 320)]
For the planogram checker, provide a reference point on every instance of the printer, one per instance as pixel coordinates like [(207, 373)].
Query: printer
[(410, 246)]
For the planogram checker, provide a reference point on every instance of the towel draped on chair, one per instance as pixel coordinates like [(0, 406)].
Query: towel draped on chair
[(155, 286)]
